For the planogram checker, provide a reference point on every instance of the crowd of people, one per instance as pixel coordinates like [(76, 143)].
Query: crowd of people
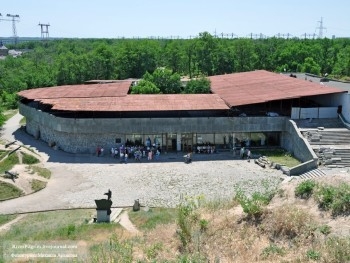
[(153, 152), (124, 153)]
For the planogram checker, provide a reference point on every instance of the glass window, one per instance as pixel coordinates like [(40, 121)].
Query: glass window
[(222, 138), (258, 139), (133, 139), (205, 138)]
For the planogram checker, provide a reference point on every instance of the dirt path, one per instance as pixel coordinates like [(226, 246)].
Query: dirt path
[(7, 226), (125, 222)]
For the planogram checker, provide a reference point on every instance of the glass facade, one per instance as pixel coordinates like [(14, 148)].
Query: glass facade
[(190, 141)]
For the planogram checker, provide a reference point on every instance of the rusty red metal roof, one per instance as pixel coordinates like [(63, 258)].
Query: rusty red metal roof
[(262, 86), (229, 90), (114, 97), (156, 102), (79, 91)]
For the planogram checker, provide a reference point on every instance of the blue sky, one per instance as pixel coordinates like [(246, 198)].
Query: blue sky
[(184, 18)]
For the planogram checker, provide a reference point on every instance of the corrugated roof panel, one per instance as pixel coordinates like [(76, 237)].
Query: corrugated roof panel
[(174, 102), (79, 91), (231, 89), (262, 86)]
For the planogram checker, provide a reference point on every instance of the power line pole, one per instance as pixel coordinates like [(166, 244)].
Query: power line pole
[(44, 31), (15, 18), (320, 28)]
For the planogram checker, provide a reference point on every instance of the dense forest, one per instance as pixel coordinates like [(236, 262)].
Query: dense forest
[(74, 61)]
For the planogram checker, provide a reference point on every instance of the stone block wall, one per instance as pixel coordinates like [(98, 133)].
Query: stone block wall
[(84, 135), (294, 142)]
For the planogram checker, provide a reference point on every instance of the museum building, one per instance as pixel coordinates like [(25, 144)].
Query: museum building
[(252, 109)]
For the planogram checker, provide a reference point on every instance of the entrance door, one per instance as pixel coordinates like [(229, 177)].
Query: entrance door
[(171, 142), (186, 142)]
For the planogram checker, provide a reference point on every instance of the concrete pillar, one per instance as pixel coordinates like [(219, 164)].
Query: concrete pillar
[(178, 142)]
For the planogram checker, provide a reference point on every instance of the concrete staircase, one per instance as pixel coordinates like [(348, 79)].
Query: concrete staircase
[(329, 139), (312, 174)]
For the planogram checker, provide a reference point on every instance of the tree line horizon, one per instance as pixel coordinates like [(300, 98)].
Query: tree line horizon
[(75, 61)]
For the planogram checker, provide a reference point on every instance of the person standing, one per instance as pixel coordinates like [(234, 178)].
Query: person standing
[(98, 151), (248, 155), (241, 153)]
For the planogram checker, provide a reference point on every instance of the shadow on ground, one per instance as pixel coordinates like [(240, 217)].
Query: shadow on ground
[(60, 156)]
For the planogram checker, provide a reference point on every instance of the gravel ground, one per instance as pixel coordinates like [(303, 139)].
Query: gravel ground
[(164, 183), (77, 180)]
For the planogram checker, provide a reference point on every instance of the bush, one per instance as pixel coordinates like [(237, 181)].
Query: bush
[(190, 225), (305, 189), (334, 198), (254, 206), (288, 222), (341, 204), (325, 196)]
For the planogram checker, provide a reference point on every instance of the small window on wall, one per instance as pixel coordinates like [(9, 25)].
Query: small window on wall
[(118, 140)]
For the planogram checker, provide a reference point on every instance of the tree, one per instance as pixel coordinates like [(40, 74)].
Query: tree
[(224, 58), (175, 56), (104, 62), (2, 118), (342, 65), (310, 66), (245, 56), (205, 48), (197, 86), (167, 81), (145, 87)]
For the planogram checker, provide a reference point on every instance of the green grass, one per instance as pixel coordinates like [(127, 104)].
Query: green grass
[(43, 172), (279, 156), (6, 218), (29, 159), (8, 163), (37, 185), (3, 154), (271, 250), (10, 113), (219, 203), (57, 225), (148, 220), (60, 226), (8, 191)]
